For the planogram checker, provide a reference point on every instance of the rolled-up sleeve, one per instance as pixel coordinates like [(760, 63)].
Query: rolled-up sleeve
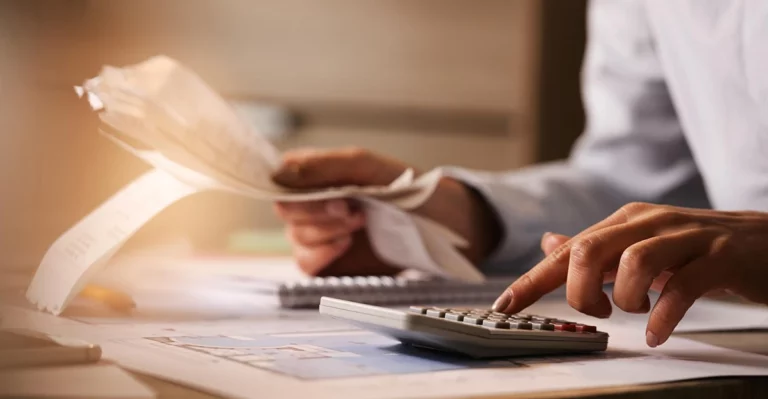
[(633, 148)]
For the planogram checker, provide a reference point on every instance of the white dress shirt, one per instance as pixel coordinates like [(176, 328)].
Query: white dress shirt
[(676, 96)]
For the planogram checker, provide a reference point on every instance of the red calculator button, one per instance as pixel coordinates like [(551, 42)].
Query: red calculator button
[(585, 328), (565, 327)]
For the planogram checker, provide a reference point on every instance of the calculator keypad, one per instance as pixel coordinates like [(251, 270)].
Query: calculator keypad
[(491, 319)]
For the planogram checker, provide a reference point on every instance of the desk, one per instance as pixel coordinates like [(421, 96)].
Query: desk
[(730, 387)]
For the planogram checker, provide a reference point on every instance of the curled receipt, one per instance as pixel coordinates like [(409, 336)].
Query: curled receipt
[(196, 142)]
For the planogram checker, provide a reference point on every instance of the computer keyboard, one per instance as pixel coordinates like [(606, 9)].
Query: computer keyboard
[(478, 333)]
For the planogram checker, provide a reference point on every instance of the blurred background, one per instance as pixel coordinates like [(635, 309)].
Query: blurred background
[(490, 84)]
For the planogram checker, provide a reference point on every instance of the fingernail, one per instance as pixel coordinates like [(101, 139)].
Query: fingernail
[(547, 234), (651, 339), (502, 303), (337, 208)]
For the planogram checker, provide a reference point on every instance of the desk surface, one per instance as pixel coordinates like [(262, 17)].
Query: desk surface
[(730, 387)]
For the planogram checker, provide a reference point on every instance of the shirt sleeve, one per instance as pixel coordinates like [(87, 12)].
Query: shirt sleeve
[(633, 148)]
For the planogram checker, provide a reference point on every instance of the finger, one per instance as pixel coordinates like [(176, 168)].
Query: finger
[(315, 211), (547, 275), (593, 255), (327, 168), (599, 251), (688, 284), (661, 280), (609, 276), (323, 233), (644, 261), (550, 242), (312, 260), (359, 259)]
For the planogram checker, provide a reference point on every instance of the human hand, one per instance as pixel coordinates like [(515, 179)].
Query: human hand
[(684, 253), (328, 236)]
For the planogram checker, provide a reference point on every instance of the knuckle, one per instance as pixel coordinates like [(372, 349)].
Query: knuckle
[(559, 252), (722, 245), (634, 258), (633, 208), (668, 216), (583, 251)]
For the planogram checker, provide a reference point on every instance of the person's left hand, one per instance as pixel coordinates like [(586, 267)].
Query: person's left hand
[(684, 253)]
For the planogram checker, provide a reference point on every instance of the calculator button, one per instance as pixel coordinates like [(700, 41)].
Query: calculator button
[(499, 314), (471, 319), (521, 326), (524, 316), (543, 326), (418, 309), (454, 316), (585, 328), (496, 324), (435, 313), (565, 327)]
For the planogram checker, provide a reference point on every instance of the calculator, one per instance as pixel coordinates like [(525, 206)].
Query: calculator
[(478, 333)]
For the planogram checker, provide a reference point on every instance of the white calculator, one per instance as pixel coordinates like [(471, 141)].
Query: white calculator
[(479, 333)]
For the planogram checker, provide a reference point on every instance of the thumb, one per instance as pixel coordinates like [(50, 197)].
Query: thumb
[(551, 241), (311, 168)]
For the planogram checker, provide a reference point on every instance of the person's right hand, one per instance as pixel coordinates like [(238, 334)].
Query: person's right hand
[(328, 236)]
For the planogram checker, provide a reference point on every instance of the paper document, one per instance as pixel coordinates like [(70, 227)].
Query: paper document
[(196, 143), (300, 354)]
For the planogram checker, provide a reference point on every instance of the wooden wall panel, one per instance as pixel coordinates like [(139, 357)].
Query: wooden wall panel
[(453, 57)]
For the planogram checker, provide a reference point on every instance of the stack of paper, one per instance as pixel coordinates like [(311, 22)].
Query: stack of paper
[(167, 116)]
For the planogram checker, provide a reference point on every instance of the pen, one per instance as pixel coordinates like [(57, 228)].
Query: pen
[(114, 299)]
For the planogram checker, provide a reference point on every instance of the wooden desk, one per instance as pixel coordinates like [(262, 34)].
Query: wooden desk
[(727, 387)]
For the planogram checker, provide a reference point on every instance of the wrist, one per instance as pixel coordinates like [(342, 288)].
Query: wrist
[(465, 211)]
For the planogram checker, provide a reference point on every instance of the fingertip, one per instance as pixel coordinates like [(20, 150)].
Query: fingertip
[(503, 301), (551, 241), (602, 308), (289, 173), (651, 339)]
